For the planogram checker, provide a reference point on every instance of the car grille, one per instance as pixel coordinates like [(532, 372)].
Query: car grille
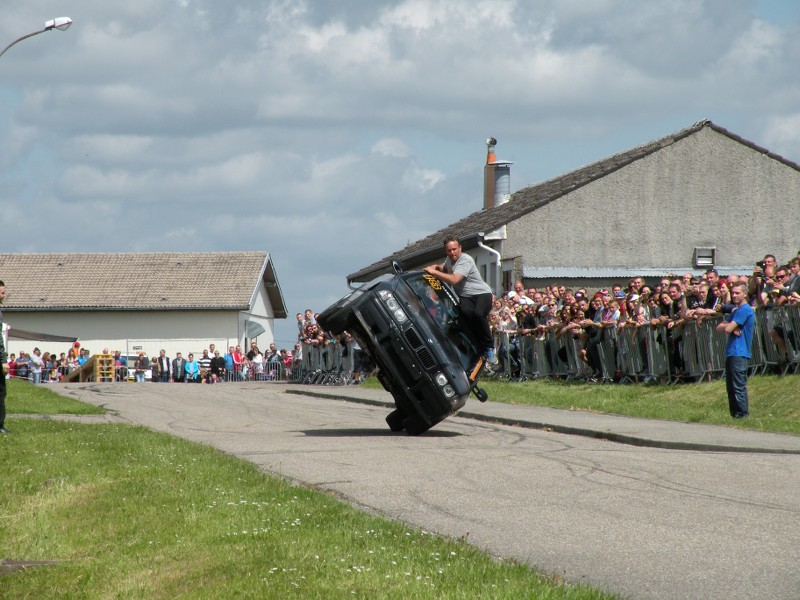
[(425, 358), (413, 339), (422, 351)]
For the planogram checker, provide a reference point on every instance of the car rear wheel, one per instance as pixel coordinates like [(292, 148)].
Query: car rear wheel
[(415, 425), (396, 420)]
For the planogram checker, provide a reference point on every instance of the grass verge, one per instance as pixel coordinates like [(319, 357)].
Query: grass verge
[(128, 513), (26, 398)]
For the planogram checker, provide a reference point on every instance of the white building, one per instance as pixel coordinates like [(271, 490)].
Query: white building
[(140, 302)]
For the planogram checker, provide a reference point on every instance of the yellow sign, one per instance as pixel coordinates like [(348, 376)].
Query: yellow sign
[(433, 282)]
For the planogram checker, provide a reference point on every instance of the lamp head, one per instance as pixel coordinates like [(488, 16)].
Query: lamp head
[(60, 23)]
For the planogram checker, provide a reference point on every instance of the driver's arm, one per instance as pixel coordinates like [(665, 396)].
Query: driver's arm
[(440, 274)]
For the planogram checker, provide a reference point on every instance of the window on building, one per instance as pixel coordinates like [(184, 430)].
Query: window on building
[(705, 256)]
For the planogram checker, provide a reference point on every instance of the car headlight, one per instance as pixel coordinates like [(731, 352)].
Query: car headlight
[(394, 307), (444, 385)]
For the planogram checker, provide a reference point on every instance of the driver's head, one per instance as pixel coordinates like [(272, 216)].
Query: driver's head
[(452, 248)]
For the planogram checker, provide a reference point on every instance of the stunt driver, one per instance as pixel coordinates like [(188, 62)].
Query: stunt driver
[(475, 296)]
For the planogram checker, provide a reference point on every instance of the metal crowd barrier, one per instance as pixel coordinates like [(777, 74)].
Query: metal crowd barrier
[(332, 364), (691, 351)]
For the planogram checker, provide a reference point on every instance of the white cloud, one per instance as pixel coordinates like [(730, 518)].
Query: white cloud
[(422, 180), (274, 125), (392, 147)]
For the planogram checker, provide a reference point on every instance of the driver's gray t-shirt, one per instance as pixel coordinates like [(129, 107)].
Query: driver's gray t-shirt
[(472, 284)]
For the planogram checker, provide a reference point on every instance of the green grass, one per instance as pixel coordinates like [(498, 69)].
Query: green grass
[(26, 398), (774, 401), (129, 513)]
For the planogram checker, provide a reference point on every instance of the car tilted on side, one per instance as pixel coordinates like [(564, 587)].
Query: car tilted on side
[(408, 325)]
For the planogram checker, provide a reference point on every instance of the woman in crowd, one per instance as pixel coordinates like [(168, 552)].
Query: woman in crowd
[(192, 368), (257, 363), (635, 313), (72, 358), (155, 370)]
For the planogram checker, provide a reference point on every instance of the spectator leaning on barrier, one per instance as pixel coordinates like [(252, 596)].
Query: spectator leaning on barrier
[(794, 277), (782, 295), (738, 325), (712, 277)]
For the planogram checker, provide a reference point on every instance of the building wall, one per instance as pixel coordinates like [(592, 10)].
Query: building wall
[(704, 190), (261, 312)]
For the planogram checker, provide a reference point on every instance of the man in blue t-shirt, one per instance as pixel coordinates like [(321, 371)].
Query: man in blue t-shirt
[(739, 326)]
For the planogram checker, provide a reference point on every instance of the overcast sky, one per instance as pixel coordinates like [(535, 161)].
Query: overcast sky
[(331, 134)]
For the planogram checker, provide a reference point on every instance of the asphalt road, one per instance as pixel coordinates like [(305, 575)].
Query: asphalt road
[(641, 522)]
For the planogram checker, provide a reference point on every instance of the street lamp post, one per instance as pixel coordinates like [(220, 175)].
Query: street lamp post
[(60, 23)]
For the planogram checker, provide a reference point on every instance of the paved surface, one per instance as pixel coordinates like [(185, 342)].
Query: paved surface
[(677, 511), (627, 430)]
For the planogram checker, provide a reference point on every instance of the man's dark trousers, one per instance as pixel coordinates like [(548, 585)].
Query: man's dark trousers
[(475, 317)]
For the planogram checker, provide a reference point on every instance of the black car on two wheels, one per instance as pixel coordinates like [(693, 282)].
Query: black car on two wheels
[(408, 324)]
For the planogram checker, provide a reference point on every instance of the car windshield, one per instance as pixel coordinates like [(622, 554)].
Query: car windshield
[(437, 301), (442, 306)]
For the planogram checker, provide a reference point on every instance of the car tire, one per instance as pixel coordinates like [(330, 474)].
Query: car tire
[(415, 425), (396, 420)]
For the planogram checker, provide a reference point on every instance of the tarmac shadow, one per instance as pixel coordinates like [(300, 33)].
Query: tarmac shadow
[(331, 433)]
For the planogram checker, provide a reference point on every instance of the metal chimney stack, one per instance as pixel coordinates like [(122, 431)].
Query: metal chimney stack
[(496, 178)]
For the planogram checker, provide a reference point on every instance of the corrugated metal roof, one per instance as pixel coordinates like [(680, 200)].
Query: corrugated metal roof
[(623, 273), (531, 198), (138, 281)]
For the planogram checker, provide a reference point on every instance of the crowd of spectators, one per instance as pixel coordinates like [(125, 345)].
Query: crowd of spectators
[(558, 309), (669, 302), (211, 366), (47, 367), (311, 336)]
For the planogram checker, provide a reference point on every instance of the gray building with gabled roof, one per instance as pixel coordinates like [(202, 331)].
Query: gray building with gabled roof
[(142, 301), (697, 198)]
